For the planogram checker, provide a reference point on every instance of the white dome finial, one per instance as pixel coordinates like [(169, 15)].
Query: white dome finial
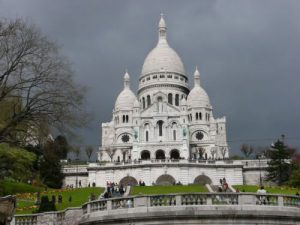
[(126, 80), (162, 29), (196, 77)]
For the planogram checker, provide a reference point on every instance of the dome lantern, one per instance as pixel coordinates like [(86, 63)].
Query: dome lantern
[(196, 78), (162, 29)]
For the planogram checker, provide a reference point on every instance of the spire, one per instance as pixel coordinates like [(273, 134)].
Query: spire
[(196, 78), (162, 29), (126, 80)]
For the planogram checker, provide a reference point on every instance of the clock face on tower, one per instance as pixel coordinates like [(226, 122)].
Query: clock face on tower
[(125, 138), (199, 135)]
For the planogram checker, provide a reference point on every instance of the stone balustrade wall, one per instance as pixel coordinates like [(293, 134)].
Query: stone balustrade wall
[(284, 209)]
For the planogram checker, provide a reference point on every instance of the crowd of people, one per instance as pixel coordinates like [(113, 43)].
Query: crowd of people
[(142, 183), (113, 190), (223, 187)]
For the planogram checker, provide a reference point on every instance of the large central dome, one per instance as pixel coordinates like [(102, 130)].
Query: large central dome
[(162, 58)]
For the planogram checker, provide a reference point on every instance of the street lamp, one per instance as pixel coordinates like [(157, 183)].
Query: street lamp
[(77, 160), (260, 179)]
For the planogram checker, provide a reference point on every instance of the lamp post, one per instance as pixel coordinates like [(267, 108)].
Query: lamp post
[(77, 159), (260, 179)]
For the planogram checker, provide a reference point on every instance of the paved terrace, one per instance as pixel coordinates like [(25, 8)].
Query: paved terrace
[(185, 208)]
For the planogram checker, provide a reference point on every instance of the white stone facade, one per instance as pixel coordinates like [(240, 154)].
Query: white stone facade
[(165, 120)]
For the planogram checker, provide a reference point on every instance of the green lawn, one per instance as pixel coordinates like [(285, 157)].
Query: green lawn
[(26, 201), (146, 190), (270, 189), (10, 188)]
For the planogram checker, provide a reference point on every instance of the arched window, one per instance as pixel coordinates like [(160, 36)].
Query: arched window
[(191, 117), (144, 104), (145, 155), (174, 154), (174, 135), (170, 98), (160, 154), (127, 118), (177, 99), (160, 128), (147, 135), (200, 116), (196, 116), (148, 100), (123, 118)]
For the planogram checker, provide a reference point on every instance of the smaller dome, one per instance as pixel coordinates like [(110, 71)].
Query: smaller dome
[(125, 100), (198, 98)]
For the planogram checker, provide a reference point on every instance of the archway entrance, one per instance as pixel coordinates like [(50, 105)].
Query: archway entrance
[(174, 154), (202, 179), (160, 154), (128, 181), (165, 180), (145, 155)]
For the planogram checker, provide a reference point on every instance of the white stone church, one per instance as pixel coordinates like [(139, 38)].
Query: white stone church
[(165, 119), (165, 134)]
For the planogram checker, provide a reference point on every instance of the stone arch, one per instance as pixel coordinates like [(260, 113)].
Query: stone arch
[(165, 180), (145, 155), (160, 154), (202, 179), (128, 180), (174, 154)]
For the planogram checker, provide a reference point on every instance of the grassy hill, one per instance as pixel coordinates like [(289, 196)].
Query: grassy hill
[(146, 190), (26, 202), (269, 189)]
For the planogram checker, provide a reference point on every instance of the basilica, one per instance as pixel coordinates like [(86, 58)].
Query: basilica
[(165, 133), (165, 119)]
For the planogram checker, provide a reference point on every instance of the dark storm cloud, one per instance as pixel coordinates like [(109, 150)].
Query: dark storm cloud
[(247, 51)]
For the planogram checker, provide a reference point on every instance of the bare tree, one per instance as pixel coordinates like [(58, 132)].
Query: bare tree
[(76, 151), (89, 151), (247, 150), (110, 152), (36, 84), (223, 151)]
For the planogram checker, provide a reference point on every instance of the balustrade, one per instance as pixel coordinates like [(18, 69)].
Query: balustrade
[(163, 200), (26, 220), (193, 199), (122, 203), (291, 201), (98, 205), (184, 199), (225, 199)]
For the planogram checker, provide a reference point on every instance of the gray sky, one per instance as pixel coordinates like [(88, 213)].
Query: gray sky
[(248, 54)]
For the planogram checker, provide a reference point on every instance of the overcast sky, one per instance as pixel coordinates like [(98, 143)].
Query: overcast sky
[(248, 54)]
